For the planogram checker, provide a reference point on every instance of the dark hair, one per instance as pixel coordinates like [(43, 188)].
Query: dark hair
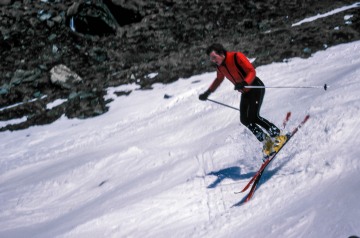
[(218, 48)]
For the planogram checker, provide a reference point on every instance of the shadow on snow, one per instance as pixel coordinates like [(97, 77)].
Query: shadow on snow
[(234, 173)]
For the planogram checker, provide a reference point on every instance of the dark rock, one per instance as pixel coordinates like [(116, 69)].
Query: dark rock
[(122, 93), (24, 76), (5, 2), (85, 104), (167, 38), (93, 19), (166, 96)]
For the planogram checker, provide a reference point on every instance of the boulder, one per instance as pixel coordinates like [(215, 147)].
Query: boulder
[(64, 77)]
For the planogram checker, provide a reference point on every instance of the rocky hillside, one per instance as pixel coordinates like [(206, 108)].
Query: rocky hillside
[(97, 44)]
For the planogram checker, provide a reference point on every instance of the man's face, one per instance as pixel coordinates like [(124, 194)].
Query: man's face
[(215, 58)]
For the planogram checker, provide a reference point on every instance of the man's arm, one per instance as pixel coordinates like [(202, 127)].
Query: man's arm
[(218, 80), (249, 69)]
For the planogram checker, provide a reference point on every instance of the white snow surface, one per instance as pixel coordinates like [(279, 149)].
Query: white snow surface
[(148, 167), (319, 16)]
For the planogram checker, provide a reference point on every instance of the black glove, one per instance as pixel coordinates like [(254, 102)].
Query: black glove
[(205, 95), (241, 85)]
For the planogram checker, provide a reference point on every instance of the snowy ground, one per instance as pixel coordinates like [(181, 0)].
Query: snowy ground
[(335, 11), (156, 167)]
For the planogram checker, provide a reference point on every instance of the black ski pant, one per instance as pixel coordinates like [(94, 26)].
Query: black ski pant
[(250, 105)]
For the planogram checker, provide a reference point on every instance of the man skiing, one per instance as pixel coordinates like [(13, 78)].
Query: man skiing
[(238, 69)]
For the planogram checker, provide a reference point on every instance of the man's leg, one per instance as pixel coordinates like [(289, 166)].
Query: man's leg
[(256, 97), (247, 118)]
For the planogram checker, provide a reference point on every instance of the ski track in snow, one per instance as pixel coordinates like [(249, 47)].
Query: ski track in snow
[(319, 16), (155, 167)]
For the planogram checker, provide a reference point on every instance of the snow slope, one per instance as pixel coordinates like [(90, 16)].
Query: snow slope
[(332, 12), (156, 167)]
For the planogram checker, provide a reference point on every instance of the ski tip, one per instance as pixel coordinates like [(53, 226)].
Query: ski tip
[(288, 114)]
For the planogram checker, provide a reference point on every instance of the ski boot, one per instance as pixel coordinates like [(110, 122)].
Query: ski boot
[(279, 141), (268, 145)]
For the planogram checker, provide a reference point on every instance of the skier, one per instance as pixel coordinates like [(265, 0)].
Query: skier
[(237, 68)]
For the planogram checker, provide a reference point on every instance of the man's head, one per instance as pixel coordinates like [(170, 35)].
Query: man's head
[(217, 53)]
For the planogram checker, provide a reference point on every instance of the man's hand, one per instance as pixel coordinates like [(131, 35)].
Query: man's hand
[(205, 95), (239, 86)]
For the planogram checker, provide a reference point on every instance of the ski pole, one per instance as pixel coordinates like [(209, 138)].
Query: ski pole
[(325, 87), (222, 104)]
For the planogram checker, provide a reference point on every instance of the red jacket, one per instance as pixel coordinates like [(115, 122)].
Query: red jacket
[(237, 68)]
